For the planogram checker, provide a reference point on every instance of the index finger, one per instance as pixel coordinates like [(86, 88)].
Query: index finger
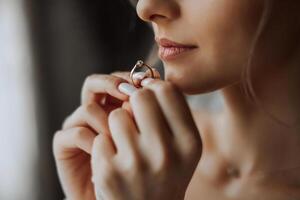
[(100, 84), (173, 105), (123, 75)]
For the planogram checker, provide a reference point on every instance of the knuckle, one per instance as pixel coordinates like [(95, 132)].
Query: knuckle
[(163, 163), (107, 176), (111, 80), (116, 72), (166, 88), (57, 141), (97, 141), (80, 133), (90, 78), (135, 165), (160, 168), (130, 168), (115, 114), (103, 77), (120, 73), (56, 138), (65, 122), (191, 148), (88, 108), (141, 95)]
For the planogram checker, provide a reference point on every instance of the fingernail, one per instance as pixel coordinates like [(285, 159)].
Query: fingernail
[(126, 88), (139, 75), (146, 81)]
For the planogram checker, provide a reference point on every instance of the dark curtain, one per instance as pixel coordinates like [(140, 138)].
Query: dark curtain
[(72, 39)]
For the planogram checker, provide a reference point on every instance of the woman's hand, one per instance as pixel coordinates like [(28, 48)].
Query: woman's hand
[(151, 154), (73, 144)]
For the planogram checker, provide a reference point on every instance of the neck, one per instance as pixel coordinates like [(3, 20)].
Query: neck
[(267, 131)]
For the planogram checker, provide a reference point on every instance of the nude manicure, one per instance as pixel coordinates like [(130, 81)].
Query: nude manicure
[(127, 88), (146, 81), (139, 75)]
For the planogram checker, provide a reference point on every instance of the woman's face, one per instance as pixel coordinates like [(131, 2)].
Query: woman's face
[(216, 37)]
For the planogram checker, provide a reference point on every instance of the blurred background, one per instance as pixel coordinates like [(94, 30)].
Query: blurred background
[(47, 48)]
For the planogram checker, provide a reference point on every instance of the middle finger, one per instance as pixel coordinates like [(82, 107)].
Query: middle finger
[(149, 117)]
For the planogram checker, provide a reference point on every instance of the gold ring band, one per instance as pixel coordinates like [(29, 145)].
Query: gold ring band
[(140, 64)]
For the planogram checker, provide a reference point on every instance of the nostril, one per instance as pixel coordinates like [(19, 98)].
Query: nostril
[(156, 16)]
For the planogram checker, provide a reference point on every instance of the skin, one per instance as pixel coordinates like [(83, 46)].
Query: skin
[(139, 145)]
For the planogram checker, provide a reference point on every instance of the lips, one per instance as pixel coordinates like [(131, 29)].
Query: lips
[(169, 50)]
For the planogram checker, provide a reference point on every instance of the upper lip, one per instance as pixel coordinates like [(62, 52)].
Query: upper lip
[(169, 44)]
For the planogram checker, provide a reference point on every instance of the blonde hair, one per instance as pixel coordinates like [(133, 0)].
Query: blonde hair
[(246, 76)]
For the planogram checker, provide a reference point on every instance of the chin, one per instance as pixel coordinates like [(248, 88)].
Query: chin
[(192, 84)]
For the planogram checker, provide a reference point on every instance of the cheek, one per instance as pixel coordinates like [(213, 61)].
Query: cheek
[(224, 31)]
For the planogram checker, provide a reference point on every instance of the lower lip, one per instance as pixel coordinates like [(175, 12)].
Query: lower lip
[(170, 53)]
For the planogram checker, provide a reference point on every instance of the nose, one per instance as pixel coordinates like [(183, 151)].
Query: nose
[(157, 10)]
